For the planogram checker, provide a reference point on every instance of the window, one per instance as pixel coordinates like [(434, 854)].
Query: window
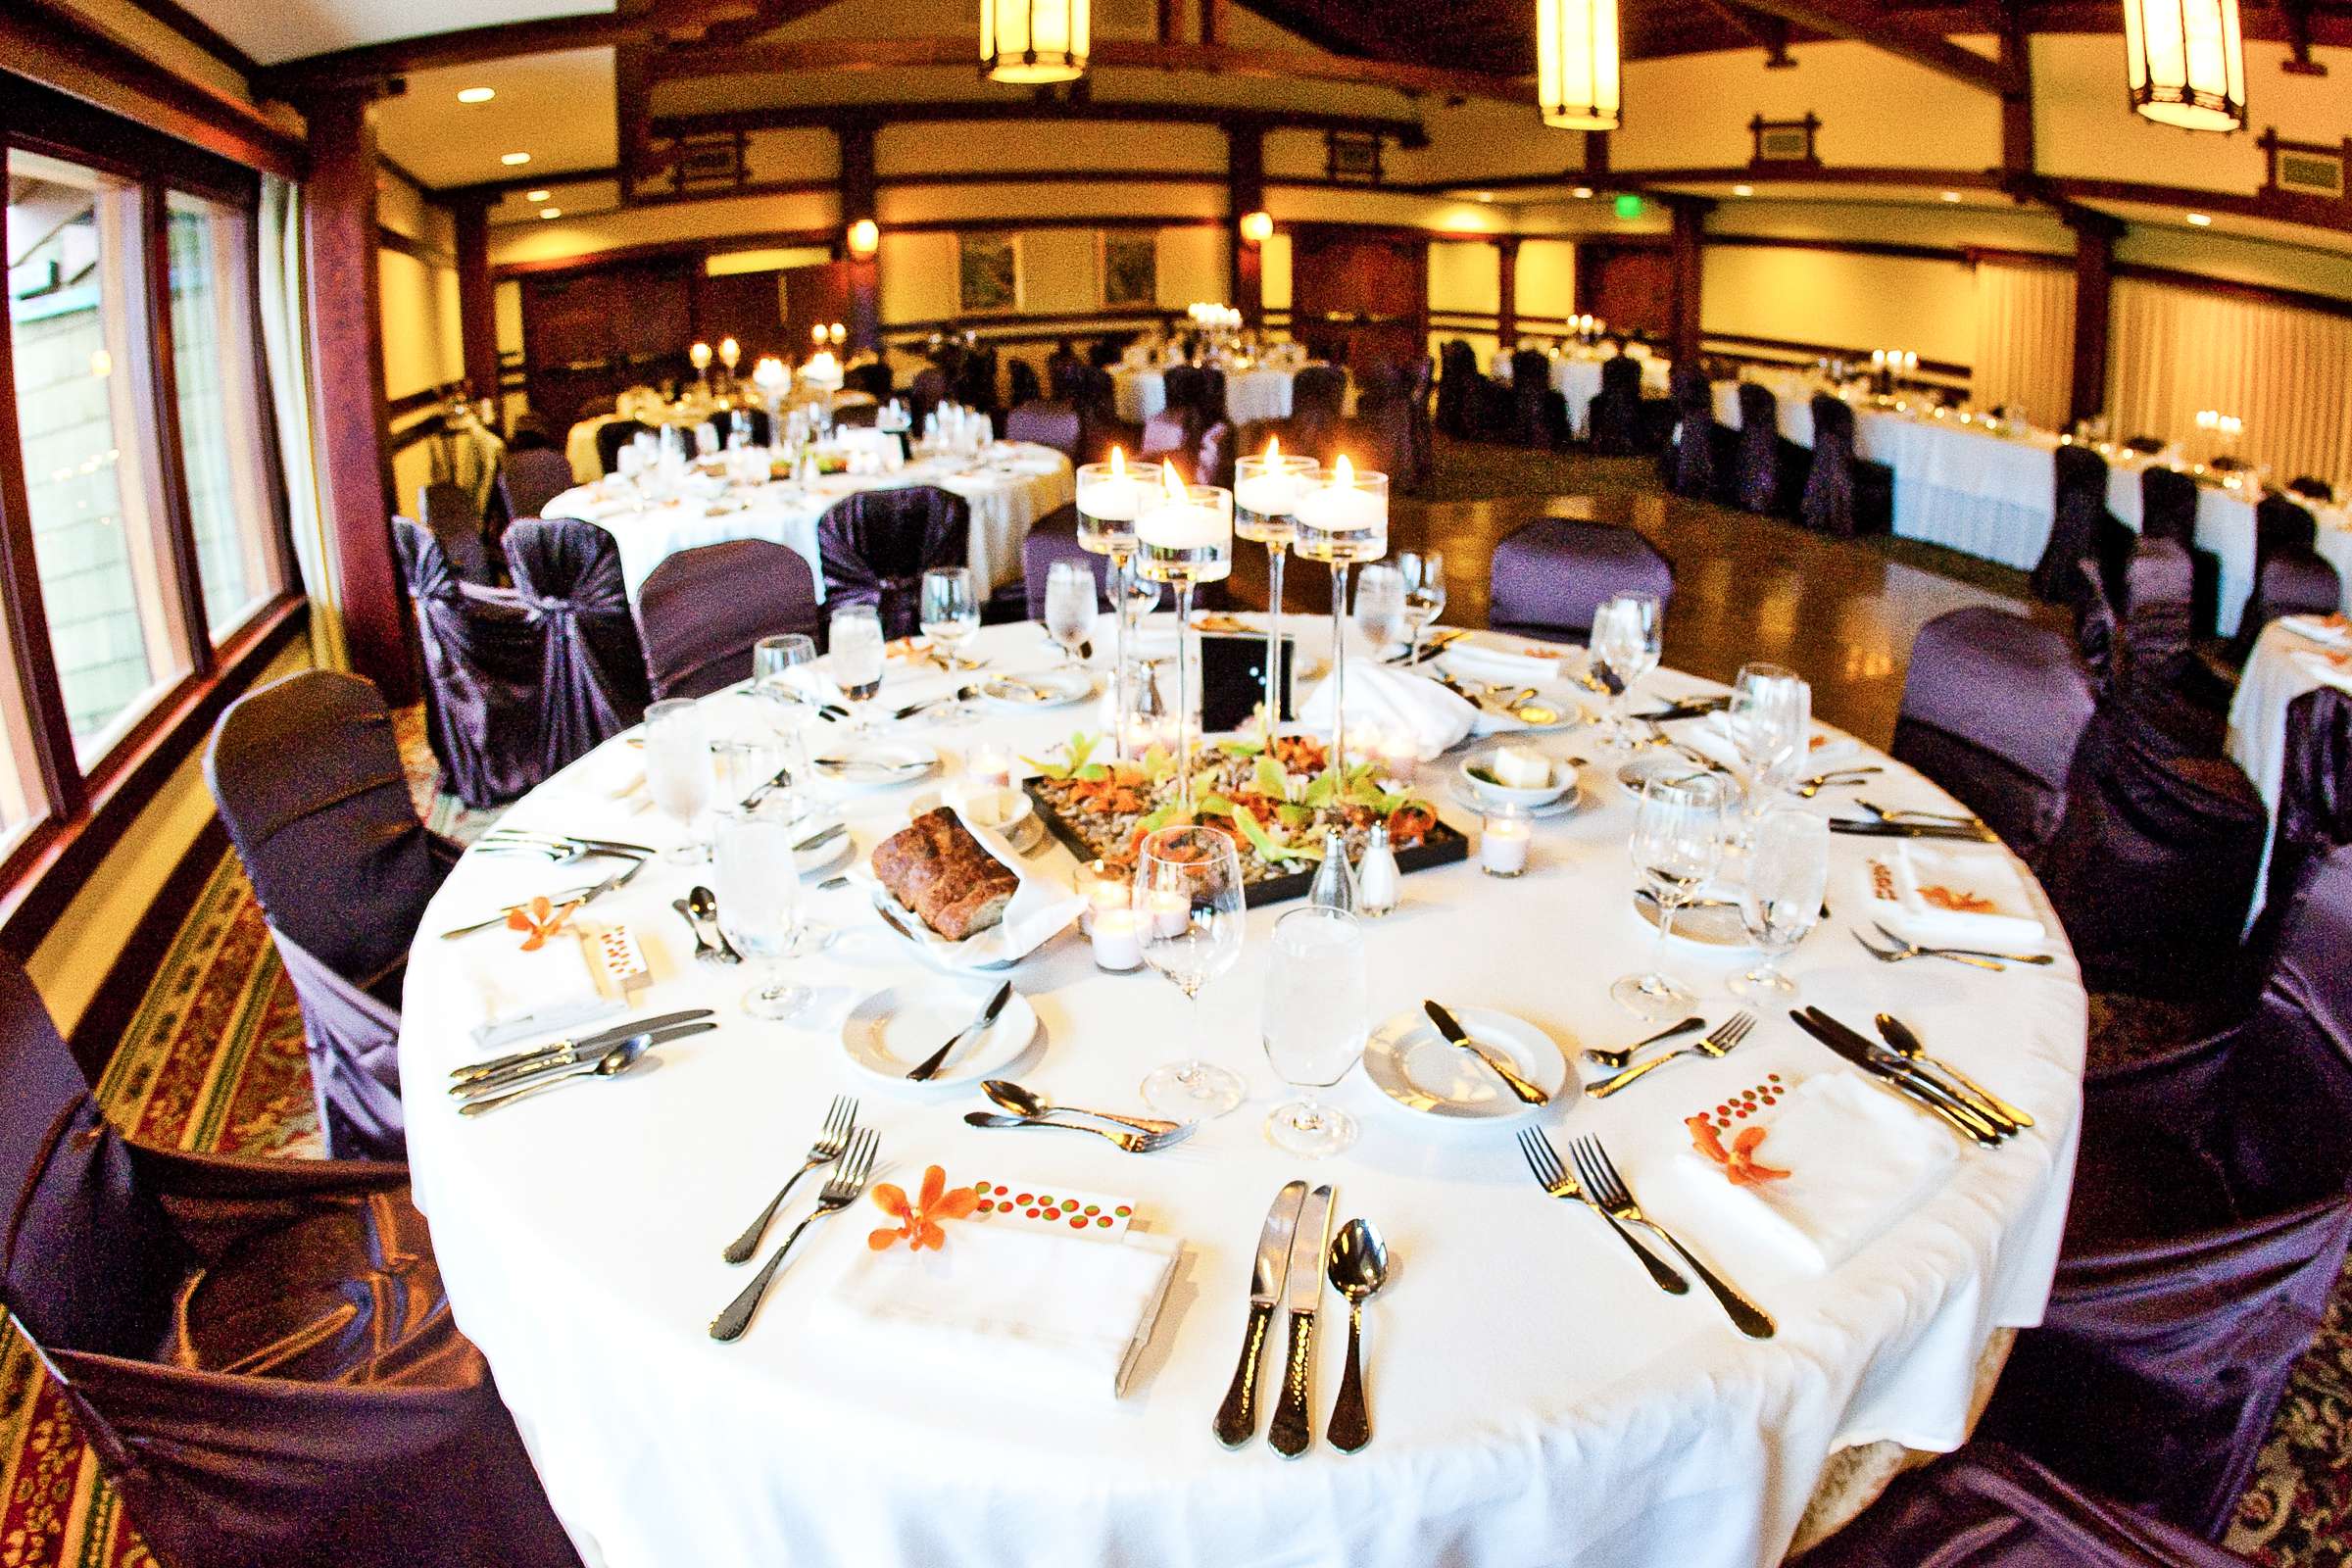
[(85, 416), (213, 335)]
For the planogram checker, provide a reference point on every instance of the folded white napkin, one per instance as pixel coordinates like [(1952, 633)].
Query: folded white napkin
[(523, 994), (2325, 670), (1476, 660), (1039, 908), (1403, 703), (1929, 875), (2317, 629), (1005, 1308), (1858, 1160)]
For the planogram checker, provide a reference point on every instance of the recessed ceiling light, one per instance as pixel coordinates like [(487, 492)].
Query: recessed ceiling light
[(1952, 195), (551, 211), (1743, 190), (2200, 220), (1483, 195), (476, 95), (537, 195), (512, 160), (1583, 193)]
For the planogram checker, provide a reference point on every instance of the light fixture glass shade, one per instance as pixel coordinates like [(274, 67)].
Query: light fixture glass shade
[(2187, 62), (1578, 75), (1033, 41), (866, 237), (1258, 227)]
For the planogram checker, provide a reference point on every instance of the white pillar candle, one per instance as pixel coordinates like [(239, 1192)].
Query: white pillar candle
[(1502, 846), (1170, 911), (991, 767), (1183, 524), (1117, 937), (1273, 493)]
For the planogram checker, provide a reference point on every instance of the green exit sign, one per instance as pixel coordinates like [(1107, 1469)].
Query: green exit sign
[(1629, 206)]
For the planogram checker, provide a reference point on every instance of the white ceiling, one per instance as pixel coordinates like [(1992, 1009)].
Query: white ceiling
[(271, 30), (555, 107)]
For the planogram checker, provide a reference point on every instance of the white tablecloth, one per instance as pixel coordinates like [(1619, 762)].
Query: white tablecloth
[(579, 445), (1576, 377), (1262, 392), (2225, 527), (1534, 1398), (2283, 667), (1008, 493)]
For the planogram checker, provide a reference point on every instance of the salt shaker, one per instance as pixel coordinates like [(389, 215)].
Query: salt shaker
[(1334, 882), (1376, 874)]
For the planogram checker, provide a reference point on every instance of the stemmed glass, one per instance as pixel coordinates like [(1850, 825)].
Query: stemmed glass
[(1788, 872), (858, 653), (1069, 605), (1109, 496), (1184, 537), (1380, 613), (1265, 497), (759, 905), (1343, 518), (1314, 1024), (1770, 715), (1424, 593), (948, 613), (1188, 902), (678, 773), (1676, 846), (1625, 647)]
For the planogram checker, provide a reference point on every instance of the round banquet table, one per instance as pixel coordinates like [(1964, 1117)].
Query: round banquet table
[(1009, 487), (1534, 1398), (1576, 377), (1262, 392)]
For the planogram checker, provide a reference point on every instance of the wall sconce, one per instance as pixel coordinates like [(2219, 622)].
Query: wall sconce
[(1258, 227), (865, 239)]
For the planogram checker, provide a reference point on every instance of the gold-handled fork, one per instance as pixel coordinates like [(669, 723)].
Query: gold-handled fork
[(1543, 1161), (1609, 1190), (1717, 1042)]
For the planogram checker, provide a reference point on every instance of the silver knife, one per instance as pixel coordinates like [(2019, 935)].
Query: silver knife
[(1911, 1085), (583, 1043), (619, 879), (924, 1069), (1293, 1431), (1236, 1417), (562, 1061), (1457, 1035)]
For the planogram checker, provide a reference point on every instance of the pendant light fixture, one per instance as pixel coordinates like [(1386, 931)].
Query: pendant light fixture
[(2187, 62), (1578, 74), (1033, 41)]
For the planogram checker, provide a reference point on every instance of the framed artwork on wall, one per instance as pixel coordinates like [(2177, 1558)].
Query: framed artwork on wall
[(1130, 268), (988, 274)]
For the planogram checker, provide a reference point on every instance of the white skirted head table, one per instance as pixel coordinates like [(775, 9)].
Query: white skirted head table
[(1533, 1398), (1009, 486)]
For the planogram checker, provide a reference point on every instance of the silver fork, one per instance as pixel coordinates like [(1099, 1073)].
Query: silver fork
[(1609, 1191), (1717, 1042), (1544, 1162), (831, 1139), (1833, 781), (1912, 950), (840, 1191), (1132, 1142), (1974, 953)]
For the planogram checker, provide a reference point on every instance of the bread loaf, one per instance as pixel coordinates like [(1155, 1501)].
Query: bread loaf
[(935, 868)]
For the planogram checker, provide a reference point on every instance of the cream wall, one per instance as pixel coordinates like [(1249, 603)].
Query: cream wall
[(2084, 127), (2239, 261), (1691, 110), (1841, 300), (1547, 278)]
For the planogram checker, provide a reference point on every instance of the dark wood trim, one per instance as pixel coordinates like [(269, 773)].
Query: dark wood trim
[(1245, 193), (2230, 288), (477, 299), (1957, 254), (163, 385), (1029, 328), (1946, 368), (2017, 100), (406, 436), (82, 132), (2270, 24), (1054, 176), (392, 239), (708, 245), (115, 1003), (2094, 270), (367, 64), (985, 111), (499, 189), (1996, 256), (1875, 24), (1654, 180), (200, 33), (1686, 245), (950, 225), (419, 402), (2285, 207)]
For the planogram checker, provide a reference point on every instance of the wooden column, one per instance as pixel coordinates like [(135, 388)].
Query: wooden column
[(1212, 23), (859, 184), (2017, 107), (477, 300), (2094, 266), (1245, 193), (1507, 290), (1688, 240), (347, 374)]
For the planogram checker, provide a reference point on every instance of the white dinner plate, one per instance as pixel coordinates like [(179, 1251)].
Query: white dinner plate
[(1569, 801), (873, 763), (890, 1032), (1414, 1066), (826, 856), (1044, 688)]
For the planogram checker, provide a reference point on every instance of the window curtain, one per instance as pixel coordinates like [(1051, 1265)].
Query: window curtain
[(2286, 373), (286, 341), (2025, 341)]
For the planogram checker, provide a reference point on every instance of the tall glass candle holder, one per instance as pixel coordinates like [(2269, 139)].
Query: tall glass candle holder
[(1265, 500), (1342, 519), (1184, 537), (1110, 496)]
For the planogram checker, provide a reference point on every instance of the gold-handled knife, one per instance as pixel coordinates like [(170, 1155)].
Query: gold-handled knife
[(1292, 1430), (556, 1053), (1236, 1417), (1456, 1034)]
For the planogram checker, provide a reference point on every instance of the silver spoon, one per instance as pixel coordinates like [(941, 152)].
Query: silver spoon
[(1614, 1060), (1911, 1048), (1032, 1105), (1359, 1266), (701, 908), (612, 1064)]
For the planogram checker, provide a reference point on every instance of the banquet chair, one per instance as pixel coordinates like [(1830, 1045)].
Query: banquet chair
[(857, 416), (1688, 460), (1845, 494), (481, 654), (1613, 423), (2096, 630), (1186, 388), (1990, 1506), (2082, 528), (1048, 424), (974, 379), (445, 508), (874, 546), (1763, 463), (1213, 458), (2290, 575), (2212, 1211), (592, 682), (2168, 510), (1318, 394), (2311, 488), (871, 378), (1023, 383), (1994, 706), (752, 424), (532, 433), (532, 478), (1172, 432), (1380, 438), (927, 392), (1539, 412), (1470, 406), (2145, 446), (1418, 389), (1065, 374), (259, 1353), (2313, 819), (1550, 576), (308, 781), (2157, 664), (611, 436), (1054, 539), (700, 612)]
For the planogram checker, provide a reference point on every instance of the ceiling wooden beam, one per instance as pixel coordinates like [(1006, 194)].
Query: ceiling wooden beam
[(828, 116), (1869, 23)]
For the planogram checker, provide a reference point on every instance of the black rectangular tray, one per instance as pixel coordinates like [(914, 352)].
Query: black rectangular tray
[(1444, 846)]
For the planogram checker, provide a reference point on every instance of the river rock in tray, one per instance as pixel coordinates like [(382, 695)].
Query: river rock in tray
[(937, 869)]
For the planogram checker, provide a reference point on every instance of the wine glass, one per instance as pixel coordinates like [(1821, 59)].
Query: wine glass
[(1770, 714), (949, 611), (1424, 592), (1625, 647), (858, 651), (1185, 538), (1313, 1023), (1676, 846), (678, 773), (1380, 613), (1188, 901), (759, 905), (1070, 601), (1788, 873)]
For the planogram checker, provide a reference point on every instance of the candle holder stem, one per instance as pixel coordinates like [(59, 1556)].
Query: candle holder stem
[(1339, 666), (1120, 607), (1184, 701), (1275, 556)]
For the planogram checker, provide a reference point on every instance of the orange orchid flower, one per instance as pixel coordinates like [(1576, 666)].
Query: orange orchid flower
[(919, 1221), (1738, 1162), (539, 920)]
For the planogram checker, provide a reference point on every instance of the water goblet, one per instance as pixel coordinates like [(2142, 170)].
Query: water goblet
[(1424, 592), (1187, 897), (1312, 1022), (1676, 846), (678, 773), (759, 905), (1625, 647), (1380, 613), (1788, 872), (857, 652), (1070, 601)]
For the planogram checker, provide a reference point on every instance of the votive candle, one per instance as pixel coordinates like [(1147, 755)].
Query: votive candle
[(1502, 846), (1117, 937)]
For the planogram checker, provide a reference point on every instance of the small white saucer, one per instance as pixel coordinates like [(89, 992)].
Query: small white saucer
[(862, 763), (893, 1030), (1418, 1068), (1045, 688), (1569, 802)]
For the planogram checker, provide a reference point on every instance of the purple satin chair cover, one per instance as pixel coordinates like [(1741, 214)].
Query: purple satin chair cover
[(1691, 458), (1990, 1506), (1213, 458), (1022, 381), (592, 682), (1550, 576), (701, 611), (351, 1039), (875, 546), (532, 478), (449, 516), (1318, 394), (2096, 631), (1049, 424), (611, 436), (1994, 706), (1065, 376), (1055, 539), (1420, 386), (1172, 432), (1539, 414), (481, 664), (2288, 581), (2168, 504), (1379, 439), (873, 378), (2156, 671), (1614, 421), (2079, 502), (2313, 816), (1829, 499), (926, 392), (857, 416), (1756, 482), (258, 1352), (2282, 524), (1186, 387)]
